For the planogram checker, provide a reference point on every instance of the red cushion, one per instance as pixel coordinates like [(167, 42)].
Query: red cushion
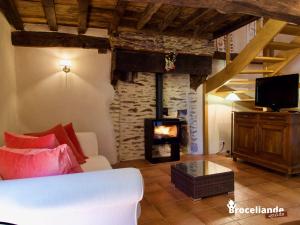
[(26, 163), (22, 141), (71, 133), (62, 138)]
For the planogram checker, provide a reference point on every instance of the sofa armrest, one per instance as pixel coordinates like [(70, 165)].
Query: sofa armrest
[(108, 197)]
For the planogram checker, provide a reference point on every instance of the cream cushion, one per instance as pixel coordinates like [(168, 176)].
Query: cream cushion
[(89, 144)]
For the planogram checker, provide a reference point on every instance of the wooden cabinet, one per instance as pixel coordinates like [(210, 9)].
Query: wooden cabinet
[(269, 139)]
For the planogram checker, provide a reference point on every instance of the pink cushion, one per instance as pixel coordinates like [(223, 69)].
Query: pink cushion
[(62, 138), (26, 163), (23, 141)]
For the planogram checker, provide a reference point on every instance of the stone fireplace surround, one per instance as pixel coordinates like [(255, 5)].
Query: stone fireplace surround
[(133, 77), (133, 102)]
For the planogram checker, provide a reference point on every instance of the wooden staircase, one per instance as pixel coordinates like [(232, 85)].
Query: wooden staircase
[(224, 82)]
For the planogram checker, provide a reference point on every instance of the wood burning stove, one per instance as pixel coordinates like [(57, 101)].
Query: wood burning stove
[(162, 140), (162, 135)]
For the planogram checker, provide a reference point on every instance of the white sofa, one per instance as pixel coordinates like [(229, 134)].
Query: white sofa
[(101, 196)]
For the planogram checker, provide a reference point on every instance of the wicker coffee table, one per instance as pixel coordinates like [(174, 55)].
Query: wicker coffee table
[(202, 178)]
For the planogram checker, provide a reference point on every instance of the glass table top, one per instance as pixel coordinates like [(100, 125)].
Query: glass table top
[(201, 168)]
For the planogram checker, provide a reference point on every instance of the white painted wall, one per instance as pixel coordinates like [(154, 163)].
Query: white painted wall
[(8, 100), (45, 98), (219, 121), (219, 109)]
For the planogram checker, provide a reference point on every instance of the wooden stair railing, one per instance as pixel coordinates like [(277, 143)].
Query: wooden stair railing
[(264, 36), (289, 56)]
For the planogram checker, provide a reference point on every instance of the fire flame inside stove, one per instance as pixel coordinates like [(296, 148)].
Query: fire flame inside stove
[(166, 131)]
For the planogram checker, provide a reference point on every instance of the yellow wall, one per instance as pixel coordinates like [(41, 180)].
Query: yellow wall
[(8, 112), (46, 97)]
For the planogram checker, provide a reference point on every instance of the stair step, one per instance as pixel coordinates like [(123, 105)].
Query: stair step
[(248, 100), (268, 59), (241, 82), (291, 30), (275, 45), (256, 71), (235, 91)]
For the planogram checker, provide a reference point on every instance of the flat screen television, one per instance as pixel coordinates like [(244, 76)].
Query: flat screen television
[(277, 92)]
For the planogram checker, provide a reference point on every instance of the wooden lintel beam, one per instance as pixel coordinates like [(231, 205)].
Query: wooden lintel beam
[(49, 10), (11, 13), (83, 6), (151, 9), (154, 62), (55, 39), (169, 32), (281, 10), (169, 18), (118, 14)]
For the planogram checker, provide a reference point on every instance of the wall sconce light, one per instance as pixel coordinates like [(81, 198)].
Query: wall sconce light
[(66, 66)]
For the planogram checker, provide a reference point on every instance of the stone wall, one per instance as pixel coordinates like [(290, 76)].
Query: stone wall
[(134, 102)]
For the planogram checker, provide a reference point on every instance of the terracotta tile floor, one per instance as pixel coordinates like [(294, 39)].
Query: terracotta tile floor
[(163, 204)]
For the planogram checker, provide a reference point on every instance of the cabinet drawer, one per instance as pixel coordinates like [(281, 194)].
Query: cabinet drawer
[(245, 116), (274, 118)]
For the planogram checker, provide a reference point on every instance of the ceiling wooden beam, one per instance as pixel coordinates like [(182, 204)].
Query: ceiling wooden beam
[(194, 18), (55, 39), (151, 9), (83, 15), (49, 10), (11, 13), (282, 10), (118, 14), (244, 20), (169, 18), (211, 18)]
